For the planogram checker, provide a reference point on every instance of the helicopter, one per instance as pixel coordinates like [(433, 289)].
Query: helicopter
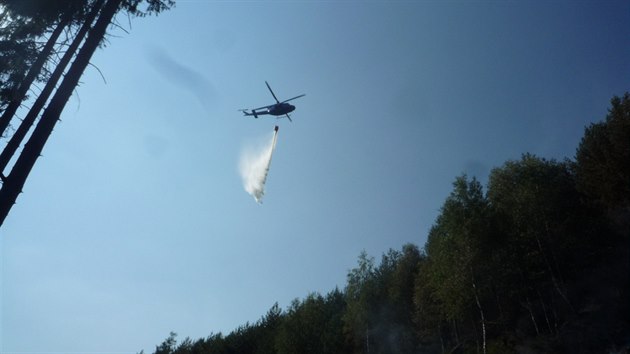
[(277, 109)]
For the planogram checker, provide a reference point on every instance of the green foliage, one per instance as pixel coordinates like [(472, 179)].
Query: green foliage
[(603, 168), (313, 325), (359, 297), (426, 310), (455, 247), (541, 213), (458, 269), (379, 314)]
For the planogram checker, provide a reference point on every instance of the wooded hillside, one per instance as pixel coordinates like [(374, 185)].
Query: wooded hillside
[(538, 262)]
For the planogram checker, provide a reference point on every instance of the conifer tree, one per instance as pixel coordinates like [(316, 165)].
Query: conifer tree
[(14, 182)]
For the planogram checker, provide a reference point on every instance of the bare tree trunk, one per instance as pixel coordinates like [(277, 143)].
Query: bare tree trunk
[(531, 314), (474, 327), (456, 332), (367, 339), (441, 337), (481, 314), (555, 316), (14, 182), (32, 74), (31, 116), (552, 273), (554, 280), (542, 303), (496, 298)]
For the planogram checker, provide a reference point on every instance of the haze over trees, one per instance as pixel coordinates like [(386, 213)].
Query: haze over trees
[(71, 32), (536, 262)]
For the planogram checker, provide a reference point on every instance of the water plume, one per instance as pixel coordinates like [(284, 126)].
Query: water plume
[(254, 167)]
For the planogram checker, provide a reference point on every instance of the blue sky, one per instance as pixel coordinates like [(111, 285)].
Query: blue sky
[(135, 222)]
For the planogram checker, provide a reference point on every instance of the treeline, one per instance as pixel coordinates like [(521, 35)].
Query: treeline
[(538, 263)]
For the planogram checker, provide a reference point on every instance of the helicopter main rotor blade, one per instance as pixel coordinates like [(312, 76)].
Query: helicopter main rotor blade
[(264, 107), (270, 90), (288, 116), (290, 99)]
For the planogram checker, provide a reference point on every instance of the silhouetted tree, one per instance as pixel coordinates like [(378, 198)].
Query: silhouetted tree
[(379, 313), (16, 139), (401, 331), (429, 321), (602, 161), (538, 199), (18, 50), (267, 329), (168, 346), (14, 181), (313, 325), (360, 298), (36, 16)]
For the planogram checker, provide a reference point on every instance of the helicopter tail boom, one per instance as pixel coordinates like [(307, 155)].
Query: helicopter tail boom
[(252, 113)]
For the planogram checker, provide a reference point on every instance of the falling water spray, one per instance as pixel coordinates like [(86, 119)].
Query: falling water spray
[(254, 167)]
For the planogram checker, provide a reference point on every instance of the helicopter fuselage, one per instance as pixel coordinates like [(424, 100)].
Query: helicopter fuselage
[(278, 109), (281, 109)]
